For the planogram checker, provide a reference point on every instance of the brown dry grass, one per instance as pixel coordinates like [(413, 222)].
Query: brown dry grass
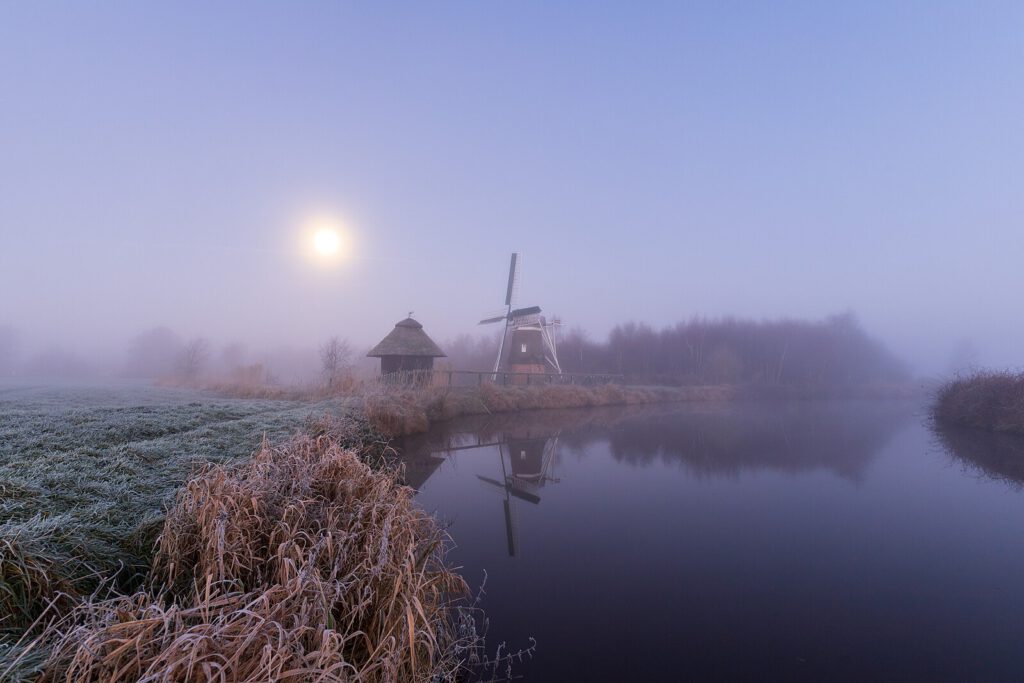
[(246, 388), (302, 565), (30, 579), (404, 412)]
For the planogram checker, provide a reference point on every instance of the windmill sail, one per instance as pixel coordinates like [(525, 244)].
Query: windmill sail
[(513, 277)]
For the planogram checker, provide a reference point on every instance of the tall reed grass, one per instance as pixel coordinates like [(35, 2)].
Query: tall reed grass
[(31, 575), (304, 564)]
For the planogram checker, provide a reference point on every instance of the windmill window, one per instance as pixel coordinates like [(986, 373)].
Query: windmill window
[(522, 455), (523, 347)]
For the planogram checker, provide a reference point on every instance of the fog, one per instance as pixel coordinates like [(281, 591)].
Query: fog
[(163, 171)]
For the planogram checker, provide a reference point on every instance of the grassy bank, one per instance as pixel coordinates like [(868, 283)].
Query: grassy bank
[(303, 563), (400, 413), (86, 474), (140, 538), (992, 401)]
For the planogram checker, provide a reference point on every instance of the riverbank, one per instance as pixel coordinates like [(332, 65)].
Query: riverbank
[(992, 401), (302, 560), (140, 536), (398, 412), (405, 412)]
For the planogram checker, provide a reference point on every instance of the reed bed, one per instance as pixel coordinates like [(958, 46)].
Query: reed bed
[(401, 412), (303, 564), (993, 401)]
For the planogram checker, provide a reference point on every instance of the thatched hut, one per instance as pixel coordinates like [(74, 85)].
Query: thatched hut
[(406, 348)]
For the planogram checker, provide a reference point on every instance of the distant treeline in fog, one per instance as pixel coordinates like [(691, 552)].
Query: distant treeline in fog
[(834, 352), (159, 353)]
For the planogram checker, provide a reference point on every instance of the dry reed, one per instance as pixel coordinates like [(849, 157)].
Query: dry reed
[(30, 578), (304, 564), (399, 412)]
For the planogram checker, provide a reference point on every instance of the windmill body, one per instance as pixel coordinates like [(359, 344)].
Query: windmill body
[(528, 342)]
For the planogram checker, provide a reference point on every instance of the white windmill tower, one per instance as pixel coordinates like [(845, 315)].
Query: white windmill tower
[(529, 341)]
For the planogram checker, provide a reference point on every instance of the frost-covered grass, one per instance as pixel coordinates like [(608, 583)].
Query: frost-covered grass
[(303, 563), (86, 473), (163, 534)]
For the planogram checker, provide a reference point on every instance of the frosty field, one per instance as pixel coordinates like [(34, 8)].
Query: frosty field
[(86, 471)]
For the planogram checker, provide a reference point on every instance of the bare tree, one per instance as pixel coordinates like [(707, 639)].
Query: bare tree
[(335, 360), (193, 357)]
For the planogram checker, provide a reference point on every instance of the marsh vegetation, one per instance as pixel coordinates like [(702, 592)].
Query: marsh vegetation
[(992, 401), (156, 534)]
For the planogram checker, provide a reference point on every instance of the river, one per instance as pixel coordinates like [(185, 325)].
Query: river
[(787, 541)]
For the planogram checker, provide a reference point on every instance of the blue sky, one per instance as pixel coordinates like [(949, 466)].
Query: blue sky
[(651, 161)]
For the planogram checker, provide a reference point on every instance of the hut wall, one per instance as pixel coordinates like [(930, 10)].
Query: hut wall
[(390, 364)]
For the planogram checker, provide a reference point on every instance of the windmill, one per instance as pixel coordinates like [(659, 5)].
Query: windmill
[(528, 342), (529, 467), (527, 462)]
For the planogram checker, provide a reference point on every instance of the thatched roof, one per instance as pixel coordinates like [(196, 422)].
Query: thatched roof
[(407, 339)]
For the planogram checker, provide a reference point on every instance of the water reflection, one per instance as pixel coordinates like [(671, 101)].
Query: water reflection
[(997, 456), (808, 541), (525, 452), (799, 438), (708, 441), (717, 440)]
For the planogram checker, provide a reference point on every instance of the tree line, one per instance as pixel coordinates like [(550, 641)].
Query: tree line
[(833, 352)]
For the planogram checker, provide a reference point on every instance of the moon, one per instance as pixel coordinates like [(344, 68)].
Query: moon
[(326, 241)]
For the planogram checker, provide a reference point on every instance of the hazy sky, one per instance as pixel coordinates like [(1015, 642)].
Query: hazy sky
[(651, 161)]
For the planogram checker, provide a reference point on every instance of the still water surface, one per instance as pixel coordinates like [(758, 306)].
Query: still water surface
[(811, 541)]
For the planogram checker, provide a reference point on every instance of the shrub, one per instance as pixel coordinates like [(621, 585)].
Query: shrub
[(988, 400)]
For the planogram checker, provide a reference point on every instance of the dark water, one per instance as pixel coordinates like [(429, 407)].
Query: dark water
[(838, 541)]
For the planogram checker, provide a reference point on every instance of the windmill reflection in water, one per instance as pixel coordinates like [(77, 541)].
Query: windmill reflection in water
[(526, 458)]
